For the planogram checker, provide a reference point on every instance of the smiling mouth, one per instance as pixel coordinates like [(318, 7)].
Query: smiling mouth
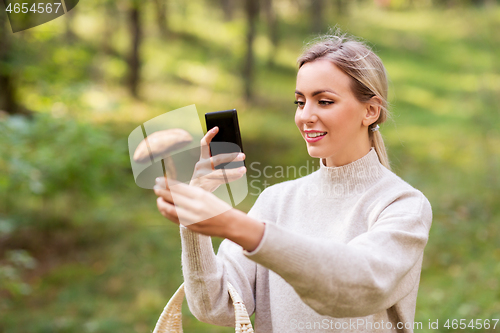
[(315, 134)]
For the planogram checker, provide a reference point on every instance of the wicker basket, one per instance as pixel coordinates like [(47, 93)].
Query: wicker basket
[(170, 320)]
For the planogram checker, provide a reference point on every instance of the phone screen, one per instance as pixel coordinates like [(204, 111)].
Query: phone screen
[(228, 139)]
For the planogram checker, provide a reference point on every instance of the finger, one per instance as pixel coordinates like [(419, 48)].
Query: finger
[(185, 190), (180, 215), (187, 196), (186, 200), (226, 158), (234, 174), (161, 183), (163, 186), (230, 174), (167, 210), (164, 194), (205, 142)]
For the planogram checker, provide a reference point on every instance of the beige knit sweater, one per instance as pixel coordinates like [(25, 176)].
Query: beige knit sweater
[(342, 252)]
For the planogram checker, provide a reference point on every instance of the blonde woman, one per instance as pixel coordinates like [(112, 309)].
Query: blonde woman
[(337, 250)]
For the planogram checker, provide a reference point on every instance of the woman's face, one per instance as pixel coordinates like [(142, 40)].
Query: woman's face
[(332, 121)]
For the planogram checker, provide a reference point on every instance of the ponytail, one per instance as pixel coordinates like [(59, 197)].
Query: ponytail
[(378, 143)]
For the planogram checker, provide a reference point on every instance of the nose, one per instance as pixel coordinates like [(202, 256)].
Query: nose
[(308, 114)]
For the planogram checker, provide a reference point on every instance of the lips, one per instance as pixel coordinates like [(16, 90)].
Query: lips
[(313, 136)]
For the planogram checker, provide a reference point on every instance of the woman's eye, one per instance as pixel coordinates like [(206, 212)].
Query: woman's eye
[(299, 103), (325, 102)]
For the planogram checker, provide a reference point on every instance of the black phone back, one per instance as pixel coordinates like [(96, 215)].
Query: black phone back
[(228, 139)]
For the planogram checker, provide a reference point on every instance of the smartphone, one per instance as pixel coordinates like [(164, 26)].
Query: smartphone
[(228, 139)]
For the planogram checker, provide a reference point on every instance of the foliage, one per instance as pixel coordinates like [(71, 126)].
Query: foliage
[(10, 279), (47, 157)]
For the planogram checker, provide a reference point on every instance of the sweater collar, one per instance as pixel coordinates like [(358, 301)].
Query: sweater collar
[(354, 177)]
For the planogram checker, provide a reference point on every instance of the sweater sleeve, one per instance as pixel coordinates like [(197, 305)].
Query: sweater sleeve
[(206, 276), (367, 275)]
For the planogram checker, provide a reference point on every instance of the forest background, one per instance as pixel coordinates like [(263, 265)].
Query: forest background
[(82, 248)]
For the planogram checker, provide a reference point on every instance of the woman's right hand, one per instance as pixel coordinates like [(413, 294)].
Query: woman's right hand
[(205, 175)]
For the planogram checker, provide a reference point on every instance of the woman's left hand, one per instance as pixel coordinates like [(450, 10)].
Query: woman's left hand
[(193, 207)]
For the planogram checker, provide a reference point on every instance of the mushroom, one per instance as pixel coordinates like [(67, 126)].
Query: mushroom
[(161, 144)]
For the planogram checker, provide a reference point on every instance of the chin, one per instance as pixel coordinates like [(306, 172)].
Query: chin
[(315, 153)]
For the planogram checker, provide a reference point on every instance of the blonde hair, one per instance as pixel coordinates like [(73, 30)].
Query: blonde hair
[(369, 77)]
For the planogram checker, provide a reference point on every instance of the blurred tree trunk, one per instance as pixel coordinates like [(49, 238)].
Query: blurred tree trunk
[(479, 2), (341, 7), (111, 24), (109, 27), (8, 101), (69, 33), (228, 9), (161, 16), (251, 11), (134, 61), (446, 3), (317, 8), (272, 24)]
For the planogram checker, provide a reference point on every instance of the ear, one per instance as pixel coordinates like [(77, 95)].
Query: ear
[(372, 111)]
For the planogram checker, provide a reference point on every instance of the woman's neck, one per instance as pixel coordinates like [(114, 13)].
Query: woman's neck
[(341, 159), (353, 177)]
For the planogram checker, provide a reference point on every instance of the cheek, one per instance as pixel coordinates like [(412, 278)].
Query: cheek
[(348, 116), (357, 110)]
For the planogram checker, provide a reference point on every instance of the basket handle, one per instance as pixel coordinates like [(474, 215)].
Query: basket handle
[(170, 320)]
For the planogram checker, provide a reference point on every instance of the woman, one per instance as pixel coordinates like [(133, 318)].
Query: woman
[(338, 250)]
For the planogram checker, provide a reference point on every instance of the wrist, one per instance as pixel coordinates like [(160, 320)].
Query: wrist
[(244, 230)]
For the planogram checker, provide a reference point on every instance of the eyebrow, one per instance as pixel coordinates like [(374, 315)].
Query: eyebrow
[(317, 92)]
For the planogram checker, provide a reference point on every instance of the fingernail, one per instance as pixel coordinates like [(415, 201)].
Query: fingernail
[(241, 155), (242, 169)]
